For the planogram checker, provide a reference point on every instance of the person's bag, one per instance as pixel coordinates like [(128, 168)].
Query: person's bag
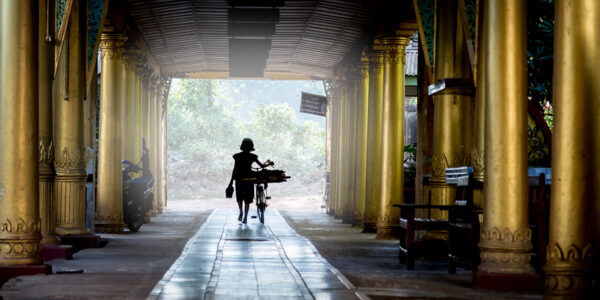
[(229, 192)]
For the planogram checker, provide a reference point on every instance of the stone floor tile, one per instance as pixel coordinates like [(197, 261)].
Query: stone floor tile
[(229, 260)]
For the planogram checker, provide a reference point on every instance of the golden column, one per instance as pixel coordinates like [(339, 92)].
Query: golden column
[(46, 145), (109, 194), (19, 215), (160, 127), (333, 189), (479, 141), (153, 125), (362, 108), (162, 94), (128, 96), (375, 114), (145, 108), (340, 203), (392, 144), (572, 267), (136, 116), (349, 143), (68, 127), (505, 235), (448, 147)]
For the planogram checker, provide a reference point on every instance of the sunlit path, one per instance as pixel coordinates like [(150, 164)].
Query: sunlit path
[(229, 260)]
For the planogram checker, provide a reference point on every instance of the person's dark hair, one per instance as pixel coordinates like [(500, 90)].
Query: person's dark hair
[(247, 144)]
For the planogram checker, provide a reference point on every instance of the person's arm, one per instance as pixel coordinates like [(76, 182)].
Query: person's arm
[(259, 163), (233, 174), (231, 181)]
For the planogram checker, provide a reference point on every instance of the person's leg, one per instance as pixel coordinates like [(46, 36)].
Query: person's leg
[(246, 208), (240, 206)]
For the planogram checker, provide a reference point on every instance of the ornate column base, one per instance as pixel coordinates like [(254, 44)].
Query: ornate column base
[(571, 273), (109, 224), (527, 283), (71, 204), (388, 231), (20, 250), (505, 261)]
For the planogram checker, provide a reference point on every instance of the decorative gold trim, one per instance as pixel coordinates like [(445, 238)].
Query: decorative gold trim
[(114, 219), (15, 249), (21, 226), (46, 150), (112, 44), (477, 161), (505, 250), (439, 163), (70, 160)]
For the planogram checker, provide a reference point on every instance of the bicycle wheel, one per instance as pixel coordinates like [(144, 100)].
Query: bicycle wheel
[(260, 205)]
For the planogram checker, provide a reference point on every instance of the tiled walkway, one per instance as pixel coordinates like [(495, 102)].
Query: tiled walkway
[(230, 260)]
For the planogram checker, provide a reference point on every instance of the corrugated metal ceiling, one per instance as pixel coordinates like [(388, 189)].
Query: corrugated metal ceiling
[(311, 37)]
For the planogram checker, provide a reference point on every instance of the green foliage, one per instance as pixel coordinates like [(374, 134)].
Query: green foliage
[(204, 131), (540, 50)]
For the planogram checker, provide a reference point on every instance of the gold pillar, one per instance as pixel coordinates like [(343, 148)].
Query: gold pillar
[(163, 92), (109, 204), (350, 140), (46, 145), (19, 212), (505, 235), (479, 143), (333, 99), (572, 267), (341, 199), (375, 113), (128, 96), (360, 150), (392, 144), (136, 116), (448, 128), (68, 127), (153, 146), (160, 175), (145, 106)]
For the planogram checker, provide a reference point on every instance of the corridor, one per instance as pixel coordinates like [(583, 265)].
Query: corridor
[(229, 260)]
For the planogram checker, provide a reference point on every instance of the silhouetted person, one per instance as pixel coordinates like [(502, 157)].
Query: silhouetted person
[(244, 190)]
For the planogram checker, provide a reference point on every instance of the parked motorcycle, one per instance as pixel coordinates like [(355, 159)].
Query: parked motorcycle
[(137, 195)]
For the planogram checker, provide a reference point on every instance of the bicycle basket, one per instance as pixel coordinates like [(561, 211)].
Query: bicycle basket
[(272, 175)]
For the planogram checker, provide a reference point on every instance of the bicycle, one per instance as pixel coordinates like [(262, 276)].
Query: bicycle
[(263, 177)]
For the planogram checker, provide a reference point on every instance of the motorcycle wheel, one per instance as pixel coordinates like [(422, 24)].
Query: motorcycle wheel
[(135, 224)]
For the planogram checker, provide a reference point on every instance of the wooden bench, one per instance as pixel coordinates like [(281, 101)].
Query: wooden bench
[(463, 228), (411, 248), (463, 225), (539, 214)]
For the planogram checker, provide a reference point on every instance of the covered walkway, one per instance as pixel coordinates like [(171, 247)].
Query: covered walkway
[(228, 260)]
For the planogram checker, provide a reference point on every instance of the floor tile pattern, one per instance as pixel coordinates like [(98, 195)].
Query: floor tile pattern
[(230, 260)]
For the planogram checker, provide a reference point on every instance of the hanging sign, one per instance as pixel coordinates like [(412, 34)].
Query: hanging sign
[(313, 104)]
